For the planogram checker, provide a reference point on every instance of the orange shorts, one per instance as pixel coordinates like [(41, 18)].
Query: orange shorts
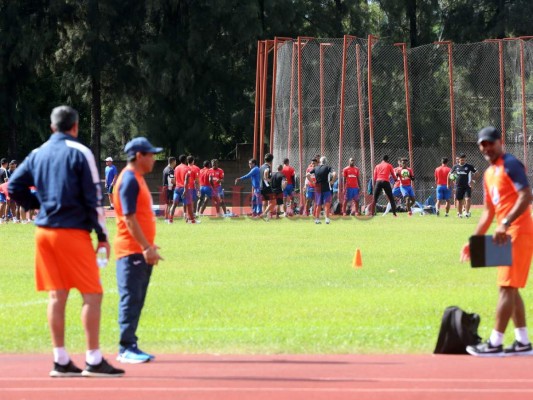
[(65, 259), (516, 275)]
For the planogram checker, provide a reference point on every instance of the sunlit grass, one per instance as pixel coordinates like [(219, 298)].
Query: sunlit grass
[(288, 286)]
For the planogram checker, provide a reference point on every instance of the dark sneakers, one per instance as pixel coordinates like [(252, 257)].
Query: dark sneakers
[(519, 349), (65, 371), (485, 350), (102, 370)]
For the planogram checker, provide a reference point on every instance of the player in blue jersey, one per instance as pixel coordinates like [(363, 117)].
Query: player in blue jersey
[(255, 177)]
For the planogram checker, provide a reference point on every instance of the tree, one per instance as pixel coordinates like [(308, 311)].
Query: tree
[(26, 39), (99, 41)]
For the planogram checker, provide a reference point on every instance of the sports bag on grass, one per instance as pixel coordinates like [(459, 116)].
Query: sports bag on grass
[(457, 330)]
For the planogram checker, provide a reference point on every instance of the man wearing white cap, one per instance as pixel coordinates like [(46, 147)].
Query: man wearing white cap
[(110, 179)]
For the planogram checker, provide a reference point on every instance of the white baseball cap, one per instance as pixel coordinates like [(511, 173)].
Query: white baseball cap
[(109, 159)]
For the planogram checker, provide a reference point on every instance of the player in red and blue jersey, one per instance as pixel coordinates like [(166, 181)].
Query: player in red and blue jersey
[(194, 181), (443, 186), (206, 191), (216, 177), (289, 173), (406, 176), (352, 183)]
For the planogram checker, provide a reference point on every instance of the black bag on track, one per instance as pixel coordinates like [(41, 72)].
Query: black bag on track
[(457, 331)]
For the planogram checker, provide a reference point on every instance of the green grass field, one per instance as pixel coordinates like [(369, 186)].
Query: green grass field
[(288, 286)]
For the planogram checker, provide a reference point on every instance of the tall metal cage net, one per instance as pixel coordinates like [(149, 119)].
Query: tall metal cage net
[(423, 103)]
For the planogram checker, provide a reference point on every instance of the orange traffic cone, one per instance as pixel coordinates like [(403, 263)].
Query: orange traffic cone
[(357, 260)]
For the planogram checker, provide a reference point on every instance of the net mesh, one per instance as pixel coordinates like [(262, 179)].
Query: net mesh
[(308, 103)]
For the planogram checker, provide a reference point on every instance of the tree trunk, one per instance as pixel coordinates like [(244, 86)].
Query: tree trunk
[(411, 16), (12, 145), (96, 115)]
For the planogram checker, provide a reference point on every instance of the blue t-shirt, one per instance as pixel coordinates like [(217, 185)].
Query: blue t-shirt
[(254, 175), (128, 192), (110, 173)]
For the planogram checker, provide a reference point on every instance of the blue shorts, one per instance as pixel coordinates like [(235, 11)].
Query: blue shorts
[(443, 193), (310, 193), (397, 192), (220, 192), (110, 189), (3, 198), (180, 198), (322, 198), (206, 191), (288, 190), (351, 194), (407, 191)]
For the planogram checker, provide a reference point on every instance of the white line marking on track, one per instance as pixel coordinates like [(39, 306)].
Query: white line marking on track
[(269, 389), (358, 378)]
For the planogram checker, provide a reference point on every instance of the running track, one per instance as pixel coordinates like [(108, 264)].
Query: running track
[(286, 377)]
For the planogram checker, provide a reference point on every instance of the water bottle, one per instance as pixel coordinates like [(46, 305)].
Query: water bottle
[(101, 257)]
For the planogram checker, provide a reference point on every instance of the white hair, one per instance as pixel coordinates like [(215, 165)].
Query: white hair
[(323, 160)]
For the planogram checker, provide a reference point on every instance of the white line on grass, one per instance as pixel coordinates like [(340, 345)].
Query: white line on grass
[(24, 304)]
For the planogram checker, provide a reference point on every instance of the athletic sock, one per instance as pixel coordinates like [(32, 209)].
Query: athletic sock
[(521, 335), (61, 356), (496, 338), (93, 357)]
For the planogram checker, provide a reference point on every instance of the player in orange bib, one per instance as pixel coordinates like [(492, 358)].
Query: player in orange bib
[(508, 198)]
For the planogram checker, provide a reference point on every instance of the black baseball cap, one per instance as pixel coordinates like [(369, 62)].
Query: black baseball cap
[(488, 134)]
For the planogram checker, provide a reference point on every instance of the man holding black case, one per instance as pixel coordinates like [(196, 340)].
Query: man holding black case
[(508, 198)]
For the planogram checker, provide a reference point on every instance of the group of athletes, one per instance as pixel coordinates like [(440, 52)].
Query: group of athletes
[(273, 187)]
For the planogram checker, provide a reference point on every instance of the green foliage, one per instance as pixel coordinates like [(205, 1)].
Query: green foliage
[(288, 286), (183, 72)]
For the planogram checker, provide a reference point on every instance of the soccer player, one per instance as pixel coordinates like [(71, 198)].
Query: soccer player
[(266, 186), (181, 194), (193, 182), (396, 191), (406, 176), (310, 183), (135, 249), (325, 176), (352, 183), (168, 185), (289, 173), (508, 198), (3, 170), (12, 207), (442, 182), (279, 183), (255, 177), (382, 173), (216, 177), (3, 198), (462, 171), (110, 179), (206, 191), (69, 198)]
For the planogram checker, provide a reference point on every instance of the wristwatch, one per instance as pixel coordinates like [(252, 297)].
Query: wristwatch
[(506, 222)]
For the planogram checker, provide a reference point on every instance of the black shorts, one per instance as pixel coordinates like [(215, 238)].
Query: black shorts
[(279, 198), (267, 194), (170, 195), (463, 192)]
